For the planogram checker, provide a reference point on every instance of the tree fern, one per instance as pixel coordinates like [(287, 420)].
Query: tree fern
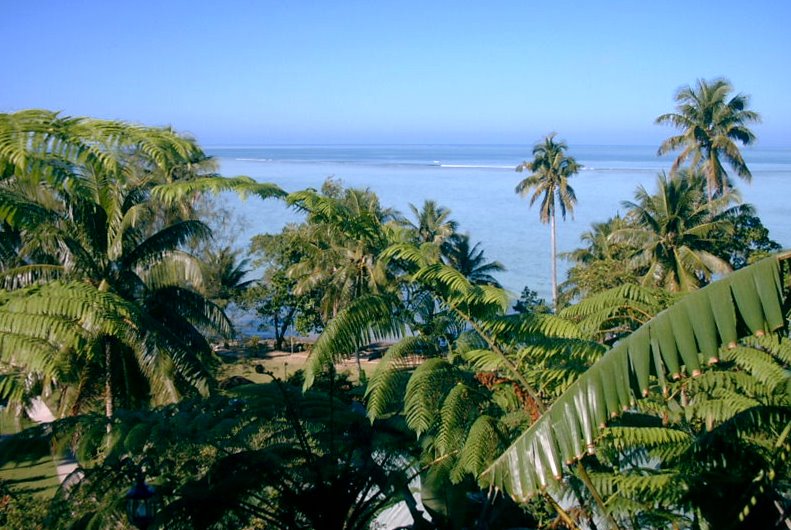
[(459, 409)]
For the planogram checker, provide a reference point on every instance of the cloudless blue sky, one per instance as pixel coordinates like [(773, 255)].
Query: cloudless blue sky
[(269, 72)]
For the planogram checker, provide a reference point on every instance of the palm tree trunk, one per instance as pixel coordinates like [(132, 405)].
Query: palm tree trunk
[(553, 242), (711, 177), (108, 383), (104, 286)]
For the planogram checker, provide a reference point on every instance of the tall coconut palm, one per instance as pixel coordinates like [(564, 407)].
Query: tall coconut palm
[(550, 170), (711, 125), (675, 232)]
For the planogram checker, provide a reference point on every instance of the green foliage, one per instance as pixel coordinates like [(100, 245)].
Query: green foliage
[(610, 314), (470, 260), (676, 239), (344, 237), (277, 298), (530, 303), (727, 421), (601, 264), (172, 193), (388, 383), (749, 241), (550, 170), (674, 233), (266, 454), (425, 391), (81, 198), (21, 511), (432, 224), (224, 275), (365, 320), (49, 329)]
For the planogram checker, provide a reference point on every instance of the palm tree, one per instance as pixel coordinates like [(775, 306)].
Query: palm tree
[(225, 273), (675, 232), (711, 126), (550, 170), (598, 244), (346, 234), (470, 260), (79, 197), (432, 223)]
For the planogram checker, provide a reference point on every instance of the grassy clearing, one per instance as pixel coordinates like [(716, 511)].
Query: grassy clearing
[(39, 477), (281, 364), (9, 424)]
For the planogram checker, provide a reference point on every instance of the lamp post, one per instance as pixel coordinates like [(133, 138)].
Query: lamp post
[(140, 504)]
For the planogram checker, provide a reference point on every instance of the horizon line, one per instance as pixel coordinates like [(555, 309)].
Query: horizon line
[(441, 144)]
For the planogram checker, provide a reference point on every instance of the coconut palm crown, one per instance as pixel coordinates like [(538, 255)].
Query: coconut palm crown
[(711, 125), (675, 231)]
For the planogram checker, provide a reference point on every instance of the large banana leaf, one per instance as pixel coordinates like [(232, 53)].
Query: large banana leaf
[(679, 340)]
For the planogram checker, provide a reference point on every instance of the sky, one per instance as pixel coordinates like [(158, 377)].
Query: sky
[(359, 72)]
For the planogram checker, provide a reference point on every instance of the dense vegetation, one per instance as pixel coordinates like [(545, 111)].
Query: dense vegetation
[(654, 393)]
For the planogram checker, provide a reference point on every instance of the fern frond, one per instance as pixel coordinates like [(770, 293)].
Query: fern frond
[(364, 320), (760, 365), (484, 439), (625, 438), (425, 393), (484, 360), (388, 382)]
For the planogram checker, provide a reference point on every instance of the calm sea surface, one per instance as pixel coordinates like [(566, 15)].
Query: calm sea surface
[(477, 184)]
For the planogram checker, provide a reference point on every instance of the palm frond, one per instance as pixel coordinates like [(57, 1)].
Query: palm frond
[(244, 186), (164, 241)]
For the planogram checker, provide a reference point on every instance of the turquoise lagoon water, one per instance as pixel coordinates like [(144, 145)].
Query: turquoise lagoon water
[(477, 183)]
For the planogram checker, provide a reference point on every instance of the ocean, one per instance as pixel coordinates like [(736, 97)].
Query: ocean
[(476, 182)]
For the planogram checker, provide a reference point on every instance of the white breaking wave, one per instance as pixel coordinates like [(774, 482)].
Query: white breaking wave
[(474, 166)]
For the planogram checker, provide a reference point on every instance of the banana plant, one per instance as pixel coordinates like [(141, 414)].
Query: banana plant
[(675, 346)]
